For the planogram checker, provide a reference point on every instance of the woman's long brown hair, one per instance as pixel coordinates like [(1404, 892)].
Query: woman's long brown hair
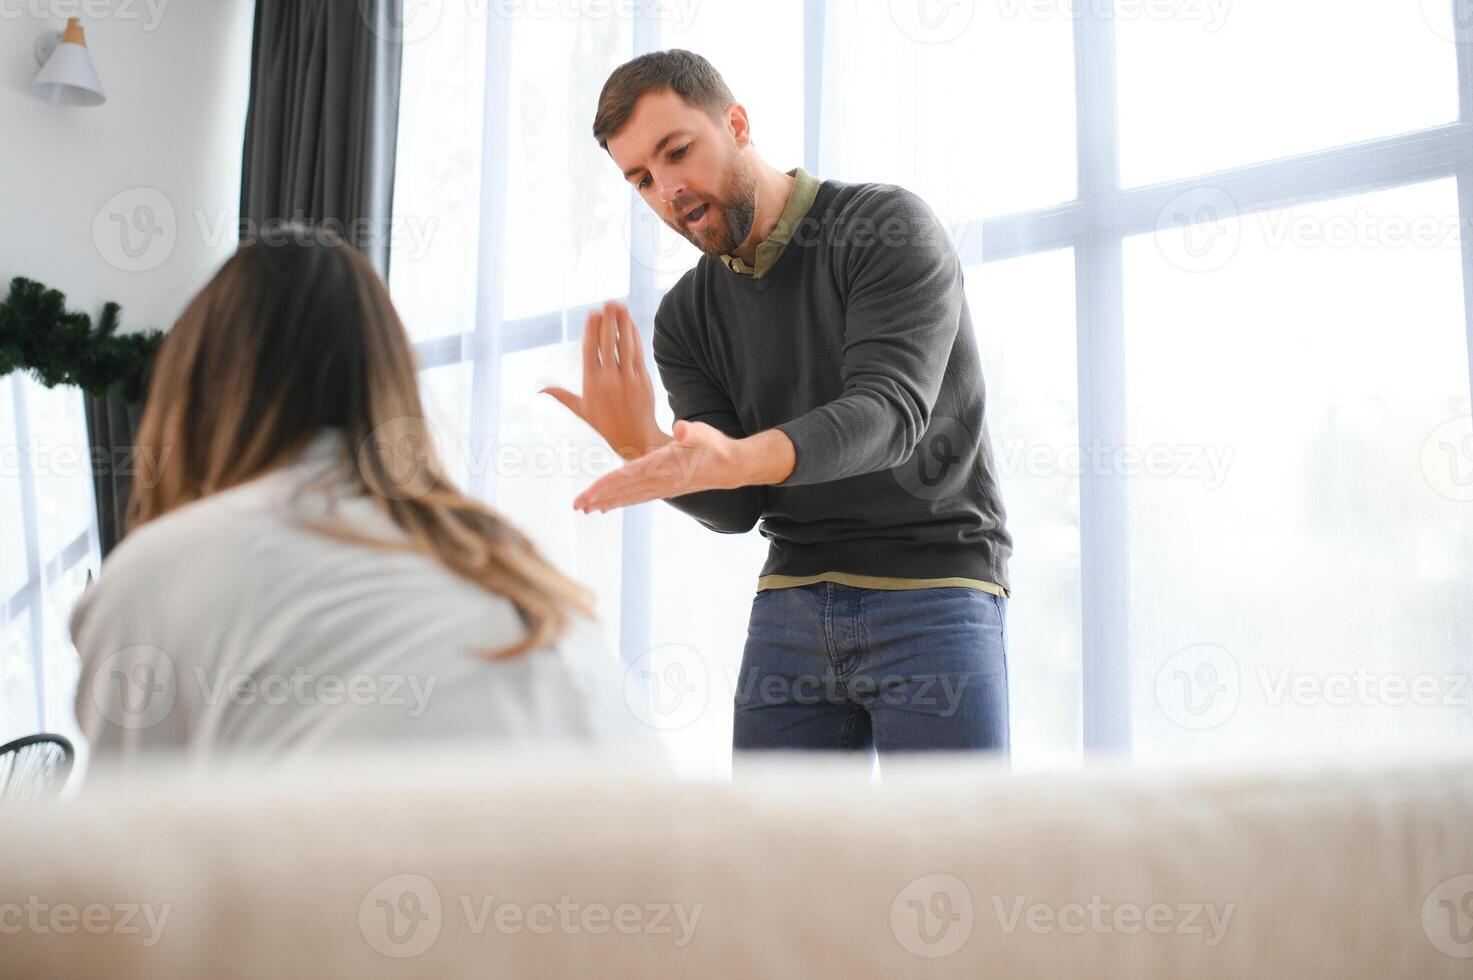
[(291, 337)]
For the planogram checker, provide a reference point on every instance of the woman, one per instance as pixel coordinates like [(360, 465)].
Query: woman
[(299, 571)]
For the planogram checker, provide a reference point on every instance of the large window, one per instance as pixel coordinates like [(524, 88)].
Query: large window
[(1216, 264), (1325, 591), (48, 527)]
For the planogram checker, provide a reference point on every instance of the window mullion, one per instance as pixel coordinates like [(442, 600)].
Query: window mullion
[(1463, 31), (29, 518), (485, 341), (814, 38), (1103, 505), (1463, 23), (636, 556)]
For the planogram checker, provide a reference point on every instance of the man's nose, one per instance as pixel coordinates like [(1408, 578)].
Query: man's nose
[(669, 191)]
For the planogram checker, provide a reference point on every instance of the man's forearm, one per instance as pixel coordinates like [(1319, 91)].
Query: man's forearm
[(725, 511), (766, 458)]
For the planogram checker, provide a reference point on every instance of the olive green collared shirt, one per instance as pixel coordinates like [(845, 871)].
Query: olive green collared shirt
[(805, 189), (800, 201)]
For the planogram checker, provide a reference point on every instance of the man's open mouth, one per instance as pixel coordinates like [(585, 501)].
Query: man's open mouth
[(695, 216)]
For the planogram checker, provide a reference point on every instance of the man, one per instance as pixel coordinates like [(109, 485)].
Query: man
[(821, 366)]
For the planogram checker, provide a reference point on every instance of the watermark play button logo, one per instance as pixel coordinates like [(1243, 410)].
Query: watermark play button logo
[(933, 21), (135, 687), (942, 461), (1447, 917), (1198, 688), (1447, 459), (668, 687), (1199, 230), (932, 917), (401, 915), (136, 229), (405, 23)]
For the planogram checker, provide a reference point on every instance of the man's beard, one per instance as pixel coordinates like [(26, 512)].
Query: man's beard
[(736, 209)]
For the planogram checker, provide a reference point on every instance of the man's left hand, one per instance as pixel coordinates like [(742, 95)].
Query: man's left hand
[(700, 457)]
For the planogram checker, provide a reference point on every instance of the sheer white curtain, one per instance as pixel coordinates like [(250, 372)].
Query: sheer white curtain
[(1221, 297)]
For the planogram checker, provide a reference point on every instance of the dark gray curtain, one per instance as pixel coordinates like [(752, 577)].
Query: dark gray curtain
[(323, 119), (111, 423)]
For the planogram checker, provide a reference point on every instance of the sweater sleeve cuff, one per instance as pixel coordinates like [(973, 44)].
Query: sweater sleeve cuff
[(811, 449)]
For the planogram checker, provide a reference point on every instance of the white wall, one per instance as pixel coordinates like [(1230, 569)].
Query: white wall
[(169, 138)]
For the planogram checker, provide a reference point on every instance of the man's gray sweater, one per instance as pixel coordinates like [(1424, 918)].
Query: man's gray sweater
[(858, 345)]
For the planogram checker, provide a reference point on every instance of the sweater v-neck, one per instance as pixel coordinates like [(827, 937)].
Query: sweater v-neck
[(800, 203)]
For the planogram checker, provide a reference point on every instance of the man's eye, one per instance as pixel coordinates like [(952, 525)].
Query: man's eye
[(643, 183), (680, 152)]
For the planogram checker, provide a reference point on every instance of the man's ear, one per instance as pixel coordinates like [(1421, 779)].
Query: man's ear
[(738, 125)]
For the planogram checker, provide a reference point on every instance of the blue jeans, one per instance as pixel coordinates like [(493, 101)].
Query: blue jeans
[(830, 666)]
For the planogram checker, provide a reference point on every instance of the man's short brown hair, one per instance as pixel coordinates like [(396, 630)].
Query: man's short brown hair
[(685, 73)]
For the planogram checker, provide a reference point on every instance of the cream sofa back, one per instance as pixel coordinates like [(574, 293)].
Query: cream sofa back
[(465, 863)]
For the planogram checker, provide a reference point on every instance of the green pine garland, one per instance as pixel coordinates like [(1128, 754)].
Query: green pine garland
[(37, 334)]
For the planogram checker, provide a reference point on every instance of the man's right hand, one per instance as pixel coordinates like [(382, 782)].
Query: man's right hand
[(618, 399)]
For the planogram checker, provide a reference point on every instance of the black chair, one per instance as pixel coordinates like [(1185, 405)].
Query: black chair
[(34, 767)]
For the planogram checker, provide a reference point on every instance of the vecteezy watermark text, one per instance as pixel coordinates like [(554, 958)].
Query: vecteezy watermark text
[(403, 916)]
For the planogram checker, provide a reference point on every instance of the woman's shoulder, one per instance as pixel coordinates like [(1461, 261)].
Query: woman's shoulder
[(269, 507), (213, 526), (205, 550)]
